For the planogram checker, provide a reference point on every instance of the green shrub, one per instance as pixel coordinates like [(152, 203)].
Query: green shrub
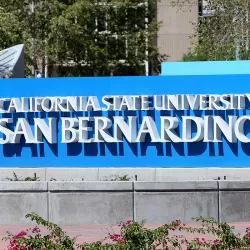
[(133, 236)]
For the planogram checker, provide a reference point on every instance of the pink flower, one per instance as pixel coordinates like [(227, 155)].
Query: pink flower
[(218, 241), (35, 230), (21, 234), (117, 238), (15, 246), (122, 240)]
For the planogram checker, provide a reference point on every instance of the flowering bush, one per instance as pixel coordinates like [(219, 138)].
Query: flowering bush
[(33, 238), (134, 236)]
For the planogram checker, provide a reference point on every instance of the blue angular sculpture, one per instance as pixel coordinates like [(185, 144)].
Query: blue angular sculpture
[(12, 62)]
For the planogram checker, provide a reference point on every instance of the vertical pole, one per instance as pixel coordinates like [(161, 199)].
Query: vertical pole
[(33, 43), (247, 32), (46, 68), (134, 201), (237, 50), (146, 52), (46, 71), (237, 53), (219, 203)]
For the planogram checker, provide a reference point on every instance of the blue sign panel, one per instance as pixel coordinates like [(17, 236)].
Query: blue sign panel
[(166, 121), (206, 68)]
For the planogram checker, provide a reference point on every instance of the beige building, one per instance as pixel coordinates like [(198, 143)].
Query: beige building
[(176, 29)]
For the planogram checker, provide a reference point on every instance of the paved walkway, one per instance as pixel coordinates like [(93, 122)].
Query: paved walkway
[(95, 233)]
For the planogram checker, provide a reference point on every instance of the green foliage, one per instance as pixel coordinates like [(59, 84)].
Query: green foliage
[(194, 56), (109, 35), (217, 37), (134, 236), (10, 29), (84, 37), (56, 239), (16, 178), (121, 178)]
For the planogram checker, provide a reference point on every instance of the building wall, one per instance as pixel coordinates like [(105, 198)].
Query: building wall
[(132, 174), (174, 35), (106, 203)]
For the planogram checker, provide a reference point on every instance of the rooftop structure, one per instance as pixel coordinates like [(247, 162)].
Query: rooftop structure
[(12, 62)]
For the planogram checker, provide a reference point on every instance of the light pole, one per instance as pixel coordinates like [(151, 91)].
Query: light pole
[(237, 52), (33, 43)]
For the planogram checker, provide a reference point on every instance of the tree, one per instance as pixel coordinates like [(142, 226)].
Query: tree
[(87, 37), (12, 33), (112, 36), (10, 30), (222, 35), (34, 18)]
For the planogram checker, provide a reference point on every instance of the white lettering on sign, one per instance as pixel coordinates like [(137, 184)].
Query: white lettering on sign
[(124, 103), (194, 129), (114, 128)]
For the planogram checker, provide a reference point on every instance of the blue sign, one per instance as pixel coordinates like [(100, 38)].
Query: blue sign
[(149, 122), (206, 68)]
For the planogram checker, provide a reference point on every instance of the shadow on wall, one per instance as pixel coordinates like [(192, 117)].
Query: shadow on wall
[(121, 149)]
